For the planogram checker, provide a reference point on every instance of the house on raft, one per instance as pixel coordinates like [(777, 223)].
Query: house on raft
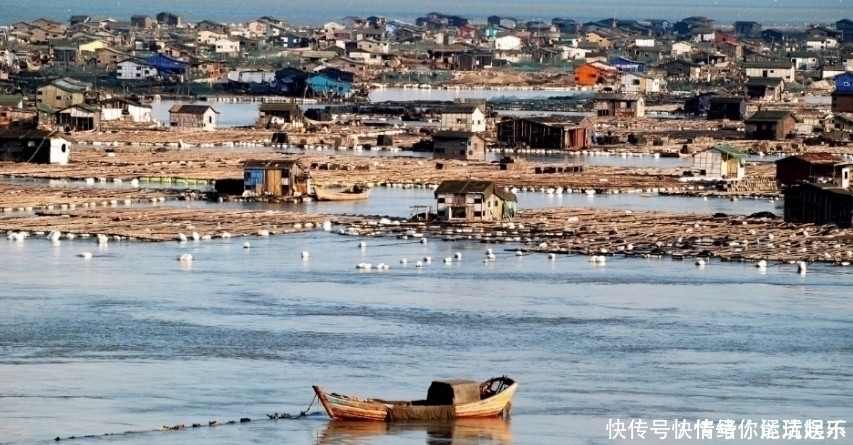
[(35, 146), (278, 179), (721, 161), (554, 132), (463, 145), (193, 117), (822, 203), (806, 167), (473, 200)]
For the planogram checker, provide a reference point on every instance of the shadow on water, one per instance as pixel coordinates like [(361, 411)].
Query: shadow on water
[(458, 432)]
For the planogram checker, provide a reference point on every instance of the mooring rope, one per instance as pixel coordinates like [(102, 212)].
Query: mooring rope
[(210, 424)]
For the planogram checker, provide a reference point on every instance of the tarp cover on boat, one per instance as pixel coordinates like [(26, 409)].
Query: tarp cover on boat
[(398, 413), (453, 392)]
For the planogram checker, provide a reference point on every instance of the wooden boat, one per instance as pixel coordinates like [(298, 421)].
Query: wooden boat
[(352, 194), (446, 400)]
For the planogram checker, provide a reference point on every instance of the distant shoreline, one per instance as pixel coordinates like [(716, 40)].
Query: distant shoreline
[(315, 13)]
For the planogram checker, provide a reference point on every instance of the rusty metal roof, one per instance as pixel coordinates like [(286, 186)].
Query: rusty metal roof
[(815, 158)]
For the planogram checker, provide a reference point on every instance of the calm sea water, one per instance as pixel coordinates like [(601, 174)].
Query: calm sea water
[(131, 339), (318, 12)]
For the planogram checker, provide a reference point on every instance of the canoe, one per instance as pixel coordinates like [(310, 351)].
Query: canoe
[(446, 400), (344, 195)]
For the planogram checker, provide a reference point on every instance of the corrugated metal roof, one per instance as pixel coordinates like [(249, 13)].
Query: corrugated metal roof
[(465, 186), (768, 115), (279, 106), (729, 150), (815, 158), (269, 164), (28, 133), (190, 109)]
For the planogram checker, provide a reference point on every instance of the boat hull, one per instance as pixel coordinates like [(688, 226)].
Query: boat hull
[(352, 408), (328, 195)]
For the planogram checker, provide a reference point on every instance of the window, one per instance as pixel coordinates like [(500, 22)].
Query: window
[(63, 148)]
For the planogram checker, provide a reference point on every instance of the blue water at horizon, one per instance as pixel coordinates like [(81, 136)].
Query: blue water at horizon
[(317, 12)]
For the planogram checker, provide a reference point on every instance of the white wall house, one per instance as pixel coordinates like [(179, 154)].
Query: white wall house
[(507, 42), (771, 69), (227, 46), (135, 70), (644, 43), (463, 118), (822, 43), (681, 48)]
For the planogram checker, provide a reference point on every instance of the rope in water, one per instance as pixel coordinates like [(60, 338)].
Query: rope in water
[(210, 424)]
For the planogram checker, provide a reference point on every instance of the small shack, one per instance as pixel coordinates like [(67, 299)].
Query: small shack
[(761, 88), (829, 203), (721, 161), (462, 145), (35, 146), (79, 117), (474, 200), (727, 107), (280, 113), (554, 132), (773, 125), (618, 105), (281, 178), (193, 117), (806, 167)]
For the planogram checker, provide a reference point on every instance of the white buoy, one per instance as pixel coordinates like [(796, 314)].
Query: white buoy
[(305, 254), (103, 239), (362, 244), (196, 236), (700, 262), (761, 264), (327, 226), (427, 260), (488, 251), (423, 241), (54, 235), (185, 258), (448, 260), (85, 255), (801, 267), (419, 264), (403, 261), (182, 238), (552, 256), (458, 256), (518, 252), (225, 235), (246, 245)]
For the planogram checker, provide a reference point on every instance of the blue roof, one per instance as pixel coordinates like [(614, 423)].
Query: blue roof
[(167, 64)]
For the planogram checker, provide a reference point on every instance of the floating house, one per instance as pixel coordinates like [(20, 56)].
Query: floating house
[(193, 117), (464, 145), (472, 200), (35, 146), (828, 203), (770, 125), (553, 132), (806, 167), (721, 161), (283, 178)]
